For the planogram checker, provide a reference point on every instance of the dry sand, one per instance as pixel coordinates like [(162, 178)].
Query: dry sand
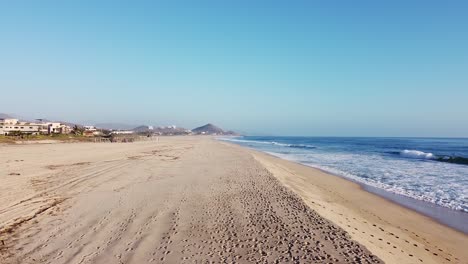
[(187, 199)]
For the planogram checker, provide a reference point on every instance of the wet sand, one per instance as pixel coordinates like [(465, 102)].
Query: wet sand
[(186, 199)]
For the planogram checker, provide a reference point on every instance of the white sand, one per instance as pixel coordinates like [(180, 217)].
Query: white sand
[(192, 198)]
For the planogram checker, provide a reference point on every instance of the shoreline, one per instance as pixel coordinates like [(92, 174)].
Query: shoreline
[(393, 232), (433, 211), (456, 219)]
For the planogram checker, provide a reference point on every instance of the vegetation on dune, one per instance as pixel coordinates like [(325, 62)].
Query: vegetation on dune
[(6, 139), (18, 136), (78, 130)]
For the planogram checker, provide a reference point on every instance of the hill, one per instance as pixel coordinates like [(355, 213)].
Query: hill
[(5, 116), (171, 130), (143, 129), (114, 126), (164, 130), (210, 129)]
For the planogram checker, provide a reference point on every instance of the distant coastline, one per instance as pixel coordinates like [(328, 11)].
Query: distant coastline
[(15, 130)]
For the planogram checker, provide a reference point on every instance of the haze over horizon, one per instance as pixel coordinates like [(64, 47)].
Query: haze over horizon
[(326, 68)]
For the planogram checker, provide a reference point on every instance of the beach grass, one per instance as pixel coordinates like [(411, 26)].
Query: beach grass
[(59, 137)]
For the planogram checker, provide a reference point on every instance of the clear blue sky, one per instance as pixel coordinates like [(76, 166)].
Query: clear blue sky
[(338, 68)]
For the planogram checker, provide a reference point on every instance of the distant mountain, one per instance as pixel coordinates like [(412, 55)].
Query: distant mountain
[(70, 124), (5, 116), (210, 129), (114, 126), (171, 130), (164, 130), (231, 133), (143, 129)]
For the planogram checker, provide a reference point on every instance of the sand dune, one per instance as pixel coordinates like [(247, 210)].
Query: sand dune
[(179, 200)]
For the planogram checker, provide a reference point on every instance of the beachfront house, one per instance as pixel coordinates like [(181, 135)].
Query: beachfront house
[(12, 126), (58, 128), (122, 132), (90, 128), (53, 128), (50, 128), (90, 131)]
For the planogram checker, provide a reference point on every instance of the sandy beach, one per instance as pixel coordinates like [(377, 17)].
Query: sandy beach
[(194, 199)]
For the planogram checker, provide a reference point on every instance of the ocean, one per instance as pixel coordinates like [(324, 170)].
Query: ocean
[(429, 175)]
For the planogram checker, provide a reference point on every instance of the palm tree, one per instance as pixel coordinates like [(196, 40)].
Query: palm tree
[(77, 130)]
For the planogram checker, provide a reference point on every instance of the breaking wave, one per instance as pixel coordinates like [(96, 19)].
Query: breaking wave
[(416, 154), (298, 146)]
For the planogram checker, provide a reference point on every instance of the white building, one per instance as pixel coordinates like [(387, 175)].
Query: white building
[(122, 132), (48, 128), (54, 128), (90, 128), (8, 126)]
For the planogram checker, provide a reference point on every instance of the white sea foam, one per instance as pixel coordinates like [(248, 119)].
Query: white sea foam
[(440, 183), (245, 141), (267, 142), (416, 154), (394, 176)]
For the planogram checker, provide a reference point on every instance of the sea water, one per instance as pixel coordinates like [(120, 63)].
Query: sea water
[(431, 170)]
